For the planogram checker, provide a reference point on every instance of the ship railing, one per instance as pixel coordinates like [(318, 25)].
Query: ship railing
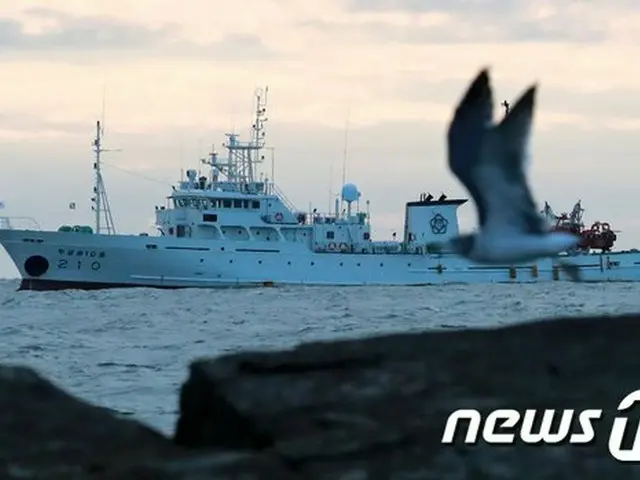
[(19, 223), (383, 247), (322, 218)]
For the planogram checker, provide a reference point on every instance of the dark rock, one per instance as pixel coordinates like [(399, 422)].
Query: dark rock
[(377, 407), (359, 409), (46, 433), (218, 465)]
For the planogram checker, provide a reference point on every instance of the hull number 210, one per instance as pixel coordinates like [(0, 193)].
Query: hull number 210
[(63, 264)]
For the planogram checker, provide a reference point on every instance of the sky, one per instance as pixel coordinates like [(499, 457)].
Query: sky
[(176, 76)]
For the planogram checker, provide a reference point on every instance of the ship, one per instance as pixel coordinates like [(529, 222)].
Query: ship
[(228, 225)]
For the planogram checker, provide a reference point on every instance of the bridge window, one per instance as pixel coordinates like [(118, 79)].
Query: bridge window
[(226, 203), (237, 204), (255, 204), (330, 235), (209, 217), (180, 231), (366, 235)]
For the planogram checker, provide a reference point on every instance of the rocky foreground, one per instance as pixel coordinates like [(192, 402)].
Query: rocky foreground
[(361, 409)]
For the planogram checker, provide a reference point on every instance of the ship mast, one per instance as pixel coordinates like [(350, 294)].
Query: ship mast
[(243, 157), (258, 139), (101, 206)]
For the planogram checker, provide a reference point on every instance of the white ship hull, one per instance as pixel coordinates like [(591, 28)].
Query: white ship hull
[(233, 227), (73, 260)]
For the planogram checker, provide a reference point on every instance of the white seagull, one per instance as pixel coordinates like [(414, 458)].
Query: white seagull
[(489, 161)]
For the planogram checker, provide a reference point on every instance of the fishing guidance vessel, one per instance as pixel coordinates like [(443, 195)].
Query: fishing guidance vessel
[(232, 227)]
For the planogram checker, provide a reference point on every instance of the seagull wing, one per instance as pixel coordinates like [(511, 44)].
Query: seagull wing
[(471, 121), (500, 173)]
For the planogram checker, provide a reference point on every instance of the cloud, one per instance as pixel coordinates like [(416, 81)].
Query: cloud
[(20, 126), (74, 32), (96, 36), (476, 21), (596, 104), (419, 6)]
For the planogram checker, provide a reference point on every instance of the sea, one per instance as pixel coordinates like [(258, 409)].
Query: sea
[(129, 350)]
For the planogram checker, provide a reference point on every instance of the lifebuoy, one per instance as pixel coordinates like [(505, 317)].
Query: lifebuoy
[(595, 228), (344, 247), (331, 246), (606, 227), (279, 217)]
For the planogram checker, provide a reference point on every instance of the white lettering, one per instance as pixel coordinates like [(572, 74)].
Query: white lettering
[(617, 432), (544, 435), (508, 419), (474, 418), (585, 419)]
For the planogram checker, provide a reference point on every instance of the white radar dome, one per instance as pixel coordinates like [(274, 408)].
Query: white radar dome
[(350, 193)]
